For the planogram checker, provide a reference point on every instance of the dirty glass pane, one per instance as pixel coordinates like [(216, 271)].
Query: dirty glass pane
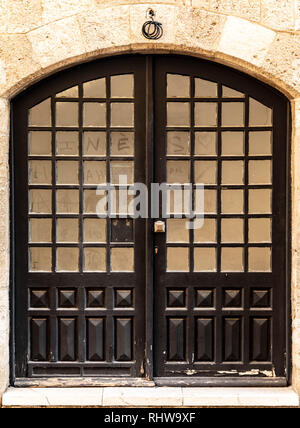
[(178, 260), (232, 172), (95, 89), (122, 260), (178, 172), (67, 172), (67, 114), (122, 144), (233, 143), (40, 230), (260, 115), (122, 86), (259, 259), (40, 172), (40, 115), (206, 114), (205, 143), (177, 231), (207, 233), (232, 230), (178, 114), (205, 172), (232, 201), (67, 230), (94, 144), (67, 259), (205, 260), (40, 259), (232, 259), (260, 230), (39, 143), (260, 172), (94, 230), (260, 201), (94, 114), (122, 115), (178, 143), (67, 143), (94, 172), (260, 143), (40, 201), (178, 86), (205, 89), (67, 201), (94, 259), (233, 114)]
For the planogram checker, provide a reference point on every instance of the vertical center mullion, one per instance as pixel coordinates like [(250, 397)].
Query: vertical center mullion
[(219, 178)]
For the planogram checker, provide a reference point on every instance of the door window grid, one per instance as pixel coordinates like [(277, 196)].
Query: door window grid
[(248, 170), (79, 158)]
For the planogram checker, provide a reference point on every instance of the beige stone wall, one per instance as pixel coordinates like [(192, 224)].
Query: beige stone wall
[(39, 37)]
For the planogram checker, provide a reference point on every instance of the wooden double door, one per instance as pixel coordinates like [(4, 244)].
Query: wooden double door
[(104, 293)]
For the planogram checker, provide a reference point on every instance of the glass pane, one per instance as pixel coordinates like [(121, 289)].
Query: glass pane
[(67, 230), (232, 230), (260, 172), (40, 115), (178, 143), (178, 172), (176, 201), (122, 172), (94, 172), (205, 89), (233, 144), (122, 144), (67, 143), (207, 233), (233, 114), (39, 143), (178, 114), (40, 259), (67, 172), (232, 260), (205, 143), (69, 93), (178, 260), (260, 201), (94, 144), (122, 114), (210, 202), (40, 201), (260, 115), (259, 259), (94, 114), (232, 201), (232, 172), (260, 230), (176, 231), (205, 172), (67, 260), (122, 86), (206, 114), (95, 89), (67, 201), (121, 202), (95, 259), (205, 260), (122, 260), (93, 203), (40, 172), (94, 230), (260, 143), (231, 93), (178, 86), (40, 230), (67, 114)]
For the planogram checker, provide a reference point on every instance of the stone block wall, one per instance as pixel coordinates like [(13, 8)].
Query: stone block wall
[(40, 37)]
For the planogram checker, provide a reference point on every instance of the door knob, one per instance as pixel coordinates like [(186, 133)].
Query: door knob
[(159, 227)]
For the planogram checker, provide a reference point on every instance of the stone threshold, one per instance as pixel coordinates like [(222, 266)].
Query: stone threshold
[(159, 397)]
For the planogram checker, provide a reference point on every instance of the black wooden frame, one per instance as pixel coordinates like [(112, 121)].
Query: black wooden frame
[(230, 77)]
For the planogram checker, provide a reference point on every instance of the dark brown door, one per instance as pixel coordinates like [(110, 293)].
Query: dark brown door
[(106, 296), (220, 293)]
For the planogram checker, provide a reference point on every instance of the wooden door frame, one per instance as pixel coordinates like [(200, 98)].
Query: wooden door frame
[(149, 240)]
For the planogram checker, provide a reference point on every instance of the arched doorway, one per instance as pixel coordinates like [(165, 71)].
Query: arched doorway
[(101, 295)]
